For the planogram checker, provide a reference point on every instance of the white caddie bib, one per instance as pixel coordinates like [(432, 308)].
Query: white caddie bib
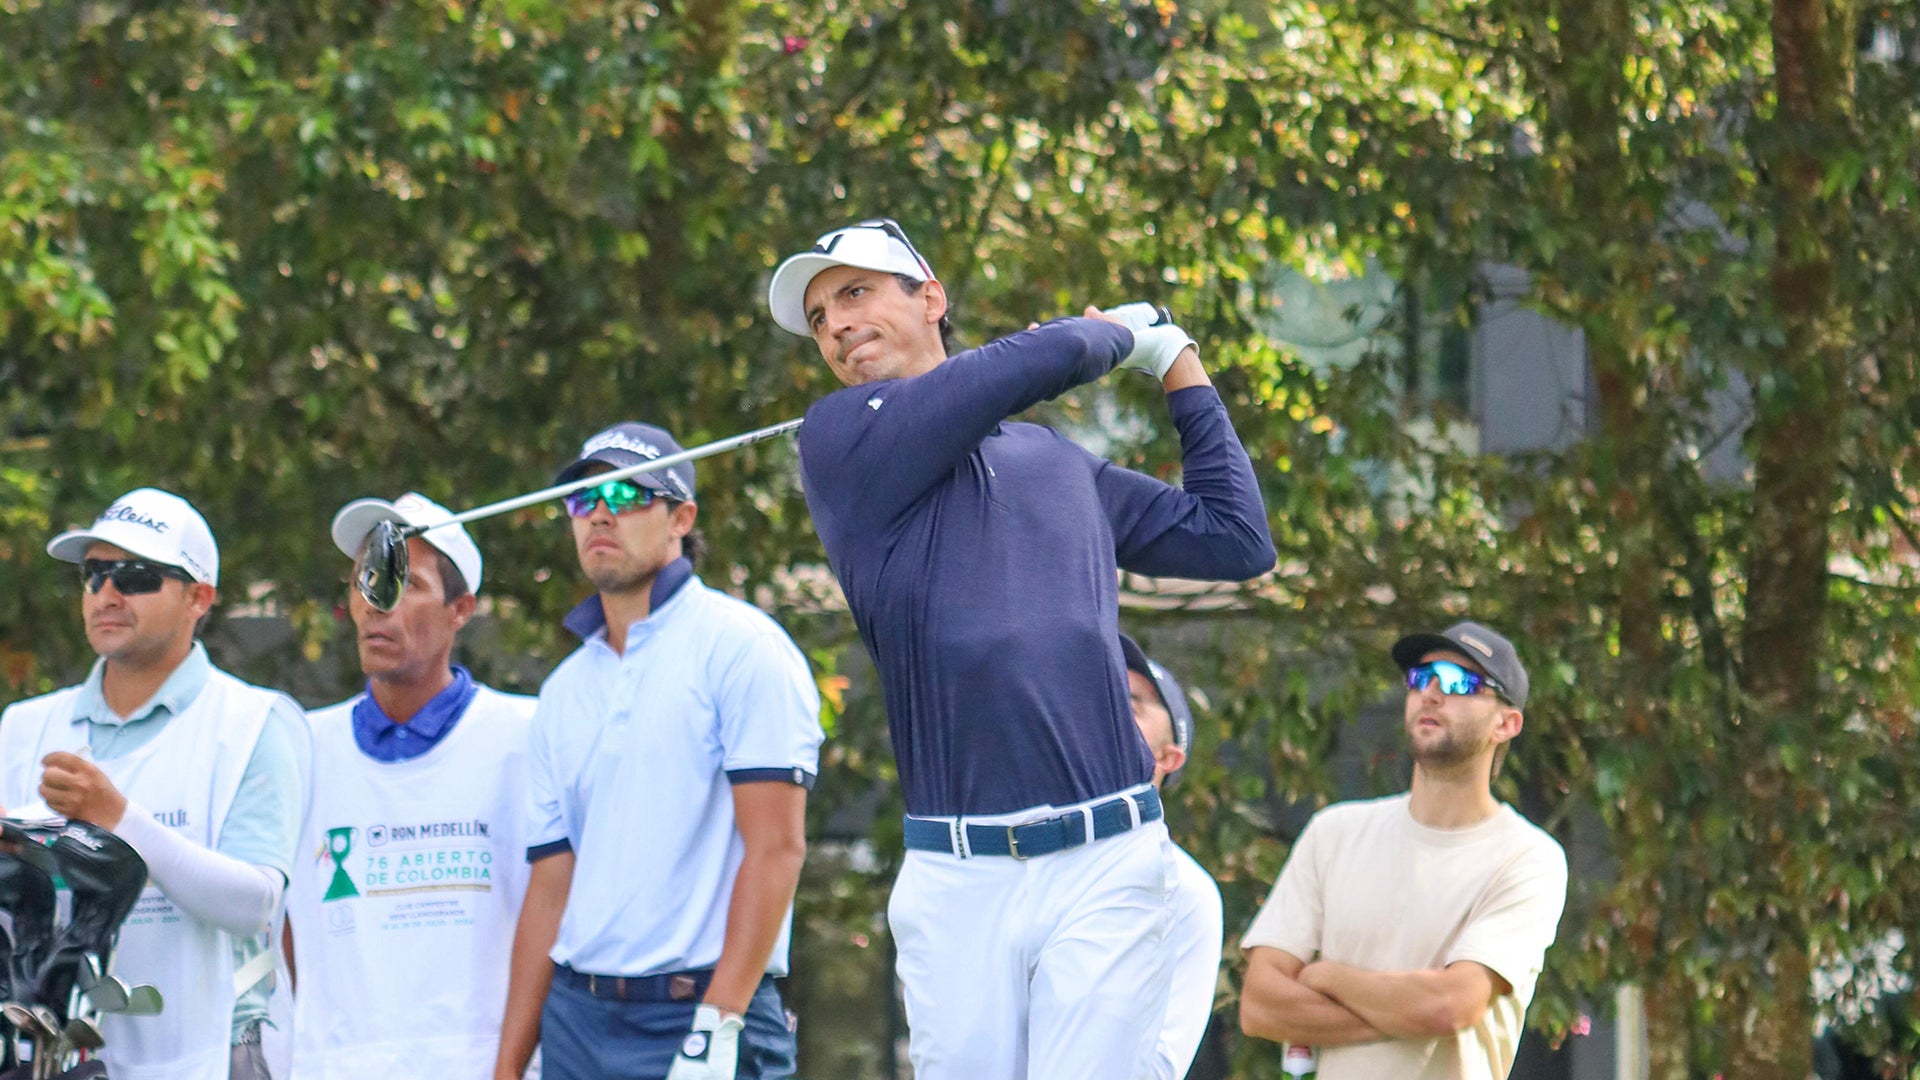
[(186, 776), (405, 894)]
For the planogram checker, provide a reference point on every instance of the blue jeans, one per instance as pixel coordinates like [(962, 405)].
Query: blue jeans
[(583, 1037)]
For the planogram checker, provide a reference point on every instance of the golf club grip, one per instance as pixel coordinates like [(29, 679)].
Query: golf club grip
[(707, 450)]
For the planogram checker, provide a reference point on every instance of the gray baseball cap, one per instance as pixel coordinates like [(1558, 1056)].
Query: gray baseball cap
[(1494, 653)]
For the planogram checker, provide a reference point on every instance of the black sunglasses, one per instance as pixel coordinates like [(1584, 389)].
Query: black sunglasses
[(130, 577)]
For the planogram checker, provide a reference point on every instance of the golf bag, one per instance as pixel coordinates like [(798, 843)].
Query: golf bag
[(56, 973)]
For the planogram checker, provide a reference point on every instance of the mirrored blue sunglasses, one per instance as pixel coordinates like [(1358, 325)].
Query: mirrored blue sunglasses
[(1454, 679)]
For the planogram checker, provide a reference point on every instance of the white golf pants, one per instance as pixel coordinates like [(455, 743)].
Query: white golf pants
[(1053, 968)]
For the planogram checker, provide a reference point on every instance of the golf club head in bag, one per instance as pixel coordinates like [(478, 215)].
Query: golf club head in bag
[(26, 895), (380, 573), (105, 876)]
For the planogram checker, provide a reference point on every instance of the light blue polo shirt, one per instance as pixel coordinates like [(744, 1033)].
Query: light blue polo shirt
[(634, 757), (263, 824)]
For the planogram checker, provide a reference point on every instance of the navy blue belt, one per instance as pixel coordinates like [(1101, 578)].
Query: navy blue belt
[(670, 986), (1034, 838)]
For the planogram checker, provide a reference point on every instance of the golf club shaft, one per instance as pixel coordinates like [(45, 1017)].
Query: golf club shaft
[(720, 446)]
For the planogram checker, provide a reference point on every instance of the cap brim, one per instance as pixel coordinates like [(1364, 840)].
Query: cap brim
[(1408, 650), (787, 296), (71, 546), (356, 519)]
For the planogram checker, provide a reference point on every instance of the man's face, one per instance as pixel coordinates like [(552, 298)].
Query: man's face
[(1152, 716), (143, 628), (622, 552), (414, 641), (1445, 730), (869, 328), (1156, 725)]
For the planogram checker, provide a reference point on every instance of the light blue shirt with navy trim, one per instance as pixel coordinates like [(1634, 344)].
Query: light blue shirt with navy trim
[(634, 756), (263, 824)]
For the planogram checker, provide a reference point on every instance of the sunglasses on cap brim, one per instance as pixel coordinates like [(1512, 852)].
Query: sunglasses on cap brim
[(1454, 680), (891, 228), (130, 577), (619, 495)]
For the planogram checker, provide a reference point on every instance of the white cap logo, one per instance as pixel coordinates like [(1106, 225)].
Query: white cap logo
[(618, 440), (149, 524)]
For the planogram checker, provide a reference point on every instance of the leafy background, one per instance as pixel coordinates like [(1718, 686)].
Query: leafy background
[(278, 256)]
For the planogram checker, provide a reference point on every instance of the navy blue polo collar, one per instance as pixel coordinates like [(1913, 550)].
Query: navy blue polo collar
[(589, 617), (382, 739)]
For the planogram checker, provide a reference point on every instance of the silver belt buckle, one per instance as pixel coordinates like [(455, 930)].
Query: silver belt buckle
[(1013, 844)]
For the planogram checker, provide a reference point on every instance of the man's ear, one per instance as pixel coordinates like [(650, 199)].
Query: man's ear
[(1170, 758), (463, 610), (936, 297), (200, 598), (684, 515), (1508, 724)]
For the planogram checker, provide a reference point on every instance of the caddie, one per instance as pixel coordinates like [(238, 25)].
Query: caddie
[(1196, 922), (981, 559), (672, 753), (411, 866), (204, 775)]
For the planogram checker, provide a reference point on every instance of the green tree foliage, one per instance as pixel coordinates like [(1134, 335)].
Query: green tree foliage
[(279, 256)]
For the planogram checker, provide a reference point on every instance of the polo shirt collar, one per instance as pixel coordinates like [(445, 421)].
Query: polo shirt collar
[(588, 619), (374, 730), (174, 695)]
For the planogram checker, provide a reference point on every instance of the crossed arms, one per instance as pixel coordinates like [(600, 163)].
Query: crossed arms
[(1326, 1003)]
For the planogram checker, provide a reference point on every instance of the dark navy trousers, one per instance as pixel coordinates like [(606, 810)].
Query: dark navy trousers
[(583, 1037)]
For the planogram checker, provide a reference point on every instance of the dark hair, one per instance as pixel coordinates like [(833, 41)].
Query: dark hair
[(693, 545), (912, 285), (453, 584)]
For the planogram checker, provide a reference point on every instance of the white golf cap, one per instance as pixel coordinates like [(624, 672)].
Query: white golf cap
[(356, 519), (151, 524), (880, 244)]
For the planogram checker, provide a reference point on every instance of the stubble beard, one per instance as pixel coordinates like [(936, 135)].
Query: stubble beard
[(1450, 751), (624, 577)]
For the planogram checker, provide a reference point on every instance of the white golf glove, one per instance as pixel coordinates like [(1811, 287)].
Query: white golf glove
[(1157, 342), (711, 1050)]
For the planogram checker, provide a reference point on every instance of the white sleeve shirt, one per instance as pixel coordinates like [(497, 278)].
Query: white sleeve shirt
[(1195, 931)]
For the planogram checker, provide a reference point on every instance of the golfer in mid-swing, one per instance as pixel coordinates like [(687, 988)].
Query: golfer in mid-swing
[(980, 557)]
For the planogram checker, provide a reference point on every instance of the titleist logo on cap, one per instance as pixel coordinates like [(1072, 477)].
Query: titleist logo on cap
[(119, 512), (1483, 647), (618, 440)]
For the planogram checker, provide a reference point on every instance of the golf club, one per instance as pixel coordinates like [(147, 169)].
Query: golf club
[(380, 573), (53, 1048)]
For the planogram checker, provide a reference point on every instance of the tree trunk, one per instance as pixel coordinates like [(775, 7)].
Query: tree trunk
[(1800, 394)]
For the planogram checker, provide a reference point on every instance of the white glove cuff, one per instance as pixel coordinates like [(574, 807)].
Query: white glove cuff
[(1156, 348)]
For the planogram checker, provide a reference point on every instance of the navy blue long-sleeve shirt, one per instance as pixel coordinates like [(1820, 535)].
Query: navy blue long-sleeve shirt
[(979, 558)]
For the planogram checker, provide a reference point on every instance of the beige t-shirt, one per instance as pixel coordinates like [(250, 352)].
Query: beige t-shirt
[(1368, 886)]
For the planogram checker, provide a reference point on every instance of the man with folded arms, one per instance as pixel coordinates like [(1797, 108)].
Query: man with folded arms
[(1406, 934)]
